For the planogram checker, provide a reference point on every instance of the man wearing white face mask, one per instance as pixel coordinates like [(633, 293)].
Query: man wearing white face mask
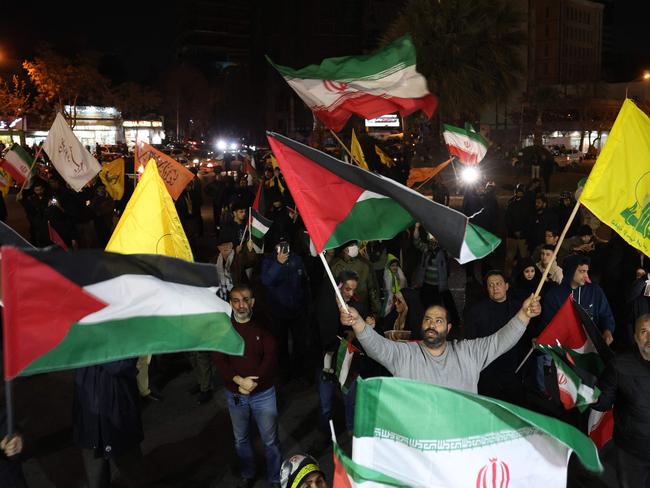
[(367, 291)]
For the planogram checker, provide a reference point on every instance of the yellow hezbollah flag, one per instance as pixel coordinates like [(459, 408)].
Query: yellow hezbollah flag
[(618, 188), (357, 153), (5, 181), (385, 159), (112, 175), (150, 223)]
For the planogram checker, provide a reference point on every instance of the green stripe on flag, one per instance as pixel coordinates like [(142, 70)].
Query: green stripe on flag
[(88, 344), (434, 414), (476, 136), (371, 219), (397, 55), (478, 243), (360, 473)]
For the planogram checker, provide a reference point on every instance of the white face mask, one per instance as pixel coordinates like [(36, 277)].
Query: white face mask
[(353, 251)]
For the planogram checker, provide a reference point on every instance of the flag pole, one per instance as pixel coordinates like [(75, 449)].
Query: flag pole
[(352, 158), (250, 222), (439, 168), (248, 228), (333, 281), (548, 266), (31, 167), (9, 400)]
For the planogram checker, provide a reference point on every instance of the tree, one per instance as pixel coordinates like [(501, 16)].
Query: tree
[(62, 82), (469, 50), (14, 97), (135, 100)]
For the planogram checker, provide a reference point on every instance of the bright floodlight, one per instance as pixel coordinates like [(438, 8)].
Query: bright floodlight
[(470, 175), (233, 145), (222, 145), (195, 161)]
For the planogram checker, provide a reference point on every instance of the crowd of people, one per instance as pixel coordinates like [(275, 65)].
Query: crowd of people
[(286, 311)]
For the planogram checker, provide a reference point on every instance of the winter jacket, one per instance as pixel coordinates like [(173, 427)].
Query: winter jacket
[(589, 296), (367, 290), (106, 408), (625, 384), (286, 285), (519, 216), (440, 258)]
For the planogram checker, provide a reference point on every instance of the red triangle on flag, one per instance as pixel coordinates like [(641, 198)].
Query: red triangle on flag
[(323, 198), (40, 305), (565, 328)]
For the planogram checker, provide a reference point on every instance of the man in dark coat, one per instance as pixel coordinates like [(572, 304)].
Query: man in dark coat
[(107, 424), (13, 451), (498, 380), (625, 383)]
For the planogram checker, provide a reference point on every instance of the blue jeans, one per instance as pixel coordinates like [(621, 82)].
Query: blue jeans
[(263, 407), (326, 390)]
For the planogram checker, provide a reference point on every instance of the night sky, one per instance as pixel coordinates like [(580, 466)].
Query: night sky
[(136, 38)]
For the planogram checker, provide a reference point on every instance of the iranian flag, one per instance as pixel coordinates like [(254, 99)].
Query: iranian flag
[(18, 163), (601, 427), (576, 385), (340, 202), (348, 474), (345, 371), (368, 86), (67, 310), (428, 436), (466, 144)]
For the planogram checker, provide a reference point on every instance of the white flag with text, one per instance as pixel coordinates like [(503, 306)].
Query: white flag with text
[(70, 158)]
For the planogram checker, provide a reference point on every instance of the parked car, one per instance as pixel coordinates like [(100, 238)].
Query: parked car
[(569, 158)]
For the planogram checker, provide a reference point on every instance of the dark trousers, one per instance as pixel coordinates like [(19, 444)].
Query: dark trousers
[(130, 464), (292, 337), (631, 471)]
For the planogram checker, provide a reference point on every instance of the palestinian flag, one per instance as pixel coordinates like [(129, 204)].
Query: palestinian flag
[(572, 328), (426, 435), (18, 163), (345, 370), (348, 474), (466, 144), (368, 86), (259, 226), (9, 237), (67, 310), (340, 202), (577, 386)]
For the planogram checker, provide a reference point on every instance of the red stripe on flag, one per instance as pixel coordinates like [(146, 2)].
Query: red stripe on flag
[(601, 433), (463, 156), (18, 177), (371, 106), (341, 479), (40, 305)]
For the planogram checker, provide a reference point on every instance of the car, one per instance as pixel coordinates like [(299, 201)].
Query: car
[(569, 158)]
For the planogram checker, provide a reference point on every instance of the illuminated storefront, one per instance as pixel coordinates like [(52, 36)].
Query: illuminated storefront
[(97, 125), (147, 131)]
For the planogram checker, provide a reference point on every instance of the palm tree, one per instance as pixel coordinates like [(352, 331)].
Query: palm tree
[(469, 50)]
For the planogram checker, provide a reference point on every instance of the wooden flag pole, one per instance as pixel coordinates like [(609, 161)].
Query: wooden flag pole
[(548, 267), (344, 147), (31, 168), (333, 281), (250, 223), (248, 228)]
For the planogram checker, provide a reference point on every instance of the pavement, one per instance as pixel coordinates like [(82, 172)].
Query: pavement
[(190, 445)]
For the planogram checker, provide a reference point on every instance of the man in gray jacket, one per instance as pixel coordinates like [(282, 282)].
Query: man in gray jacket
[(453, 364)]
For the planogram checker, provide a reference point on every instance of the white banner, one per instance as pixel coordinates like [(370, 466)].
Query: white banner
[(70, 158)]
